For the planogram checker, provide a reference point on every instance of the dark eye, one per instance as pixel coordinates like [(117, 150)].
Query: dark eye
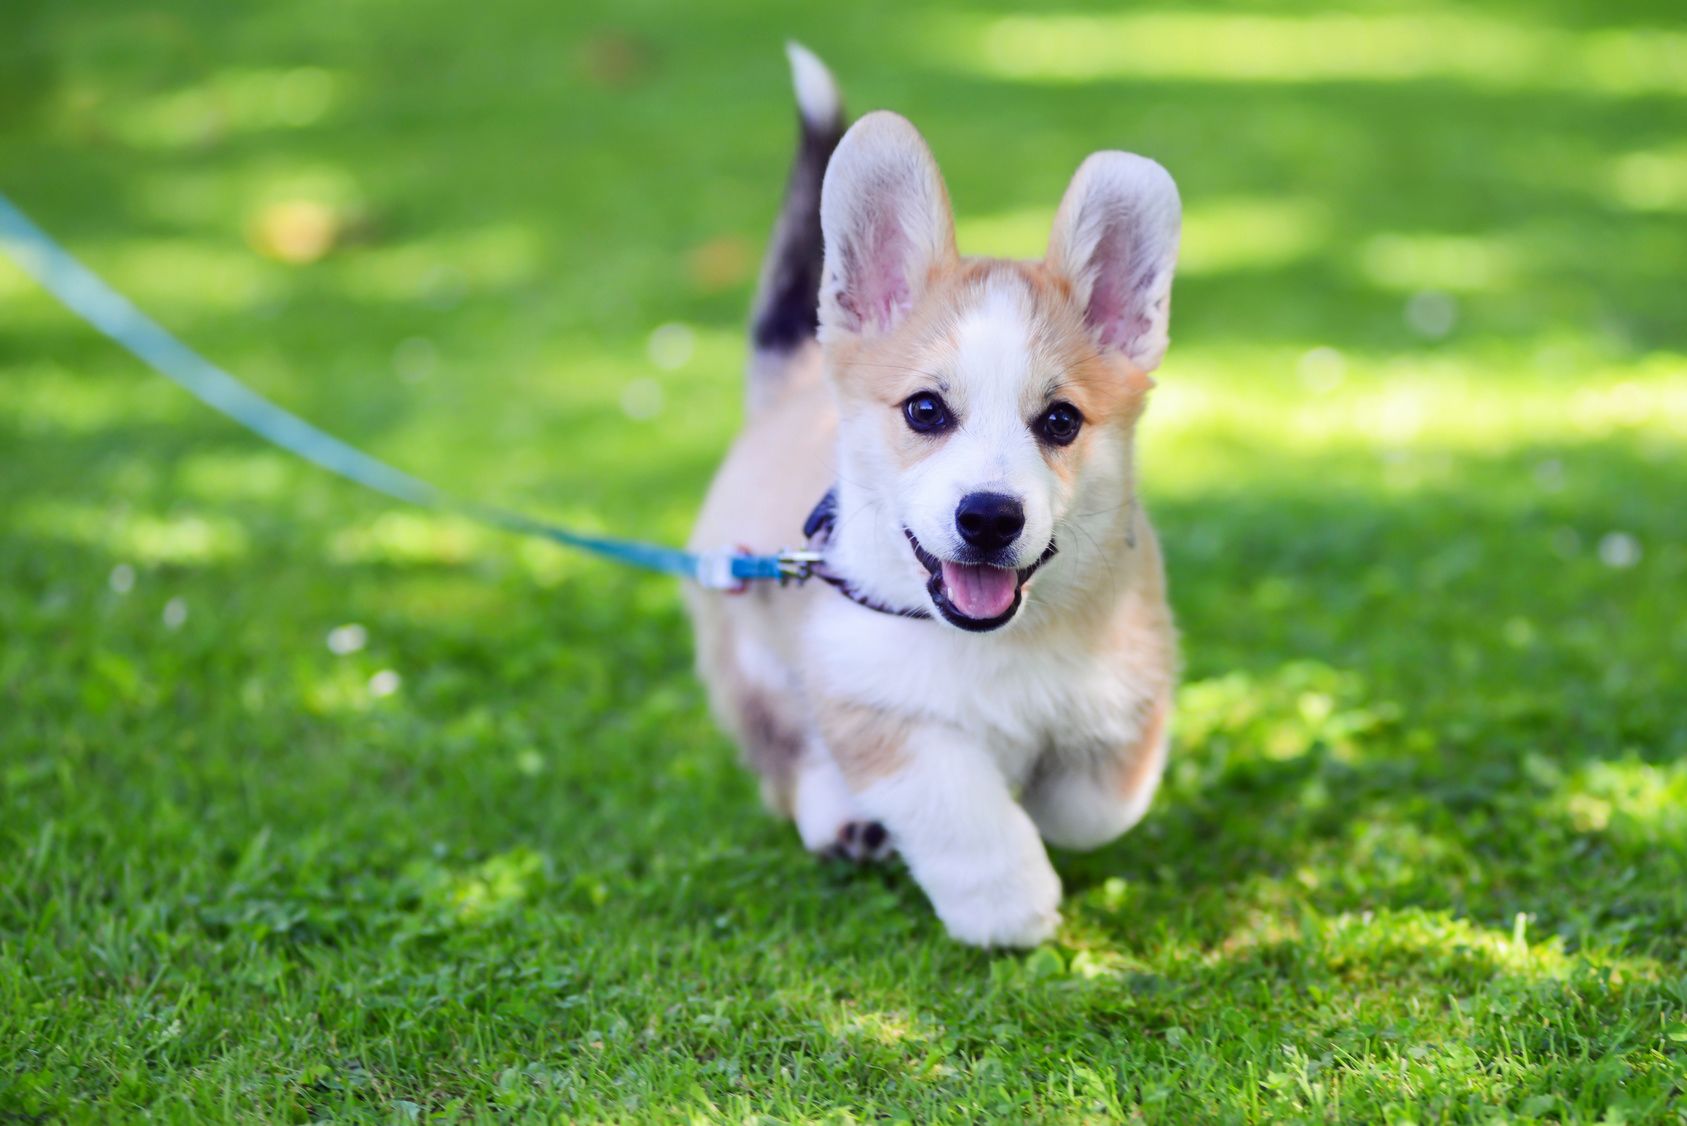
[(1059, 424), (926, 413)]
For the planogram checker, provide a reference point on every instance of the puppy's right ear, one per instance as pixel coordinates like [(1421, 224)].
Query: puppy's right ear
[(887, 225)]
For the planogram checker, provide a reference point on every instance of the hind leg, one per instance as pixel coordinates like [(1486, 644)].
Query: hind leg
[(829, 820), (799, 778)]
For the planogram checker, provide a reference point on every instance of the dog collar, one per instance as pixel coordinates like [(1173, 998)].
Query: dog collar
[(818, 529)]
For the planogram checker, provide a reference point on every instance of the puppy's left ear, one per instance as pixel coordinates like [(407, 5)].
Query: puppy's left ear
[(1115, 240)]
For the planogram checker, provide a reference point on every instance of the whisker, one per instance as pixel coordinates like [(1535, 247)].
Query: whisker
[(1102, 511), (1106, 559)]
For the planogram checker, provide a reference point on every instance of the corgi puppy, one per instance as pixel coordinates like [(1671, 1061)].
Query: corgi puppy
[(989, 665)]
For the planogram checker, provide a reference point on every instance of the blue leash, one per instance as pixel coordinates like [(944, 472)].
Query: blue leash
[(112, 314)]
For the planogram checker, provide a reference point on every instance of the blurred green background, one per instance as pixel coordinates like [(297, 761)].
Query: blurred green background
[(310, 806)]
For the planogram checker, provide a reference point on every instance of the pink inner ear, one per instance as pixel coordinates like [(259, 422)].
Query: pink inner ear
[(1116, 309), (878, 293)]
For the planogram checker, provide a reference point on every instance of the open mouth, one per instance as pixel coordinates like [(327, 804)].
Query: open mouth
[(975, 596)]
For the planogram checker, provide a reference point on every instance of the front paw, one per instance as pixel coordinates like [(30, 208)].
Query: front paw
[(1020, 909)]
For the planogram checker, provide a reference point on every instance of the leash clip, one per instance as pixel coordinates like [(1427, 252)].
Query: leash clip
[(734, 571), (797, 566)]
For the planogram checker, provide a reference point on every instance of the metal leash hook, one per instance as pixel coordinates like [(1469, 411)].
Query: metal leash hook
[(798, 566), (734, 571)]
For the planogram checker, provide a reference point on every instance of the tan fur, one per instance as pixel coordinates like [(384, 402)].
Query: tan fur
[(778, 468), (866, 742), (1144, 631), (1131, 768)]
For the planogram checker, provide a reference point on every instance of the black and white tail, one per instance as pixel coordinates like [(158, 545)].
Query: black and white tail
[(784, 316)]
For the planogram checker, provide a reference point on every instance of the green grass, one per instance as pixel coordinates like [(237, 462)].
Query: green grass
[(1422, 850)]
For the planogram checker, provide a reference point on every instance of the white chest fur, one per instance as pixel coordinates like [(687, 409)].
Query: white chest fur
[(1015, 696)]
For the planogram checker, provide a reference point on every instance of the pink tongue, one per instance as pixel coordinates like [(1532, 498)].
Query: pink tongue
[(978, 591)]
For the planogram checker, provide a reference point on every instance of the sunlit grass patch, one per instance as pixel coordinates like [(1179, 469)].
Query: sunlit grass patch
[(1485, 51), (404, 535), (1460, 264), (143, 538), (443, 269), (189, 280), (1302, 706), (1022, 233), (1635, 803), (1651, 179), (234, 100), (347, 689), (881, 1027), (1419, 942), (1250, 234), (484, 892), (56, 401), (257, 474), (1322, 402)]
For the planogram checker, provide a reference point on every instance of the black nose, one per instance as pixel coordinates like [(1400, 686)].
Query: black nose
[(989, 521)]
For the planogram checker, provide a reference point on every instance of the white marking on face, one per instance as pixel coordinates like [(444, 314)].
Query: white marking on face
[(991, 367)]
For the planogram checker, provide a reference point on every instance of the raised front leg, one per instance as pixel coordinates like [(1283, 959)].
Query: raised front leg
[(950, 814)]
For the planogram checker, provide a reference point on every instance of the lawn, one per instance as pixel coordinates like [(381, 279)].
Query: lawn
[(313, 807)]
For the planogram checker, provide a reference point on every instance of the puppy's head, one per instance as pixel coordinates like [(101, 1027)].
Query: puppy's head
[(987, 407)]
